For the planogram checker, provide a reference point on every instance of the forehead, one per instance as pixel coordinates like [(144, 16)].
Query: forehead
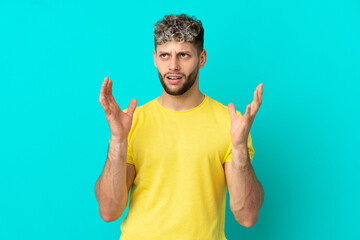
[(174, 46)]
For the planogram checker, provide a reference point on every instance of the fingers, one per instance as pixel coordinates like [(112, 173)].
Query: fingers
[(110, 97), (260, 93), (103, 91), (232, 110), (256, 95), (104, 87), (132, 107), (103, 100), (110, 88), (106, 100)]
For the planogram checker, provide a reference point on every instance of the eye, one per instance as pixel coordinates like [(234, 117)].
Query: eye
[(161, 55), (184, 54)]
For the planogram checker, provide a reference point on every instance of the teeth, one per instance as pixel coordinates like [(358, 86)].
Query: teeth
[(174, 77)]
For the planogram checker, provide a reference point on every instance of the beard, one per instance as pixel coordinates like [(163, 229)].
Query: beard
[(188, 83)]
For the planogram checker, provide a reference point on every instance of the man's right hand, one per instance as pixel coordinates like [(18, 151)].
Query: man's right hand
[(119, 121)]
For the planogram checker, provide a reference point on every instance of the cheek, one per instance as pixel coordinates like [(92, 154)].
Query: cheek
[(160, 66), (193, 68)]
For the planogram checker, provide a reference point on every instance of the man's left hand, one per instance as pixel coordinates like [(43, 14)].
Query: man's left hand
[(240, 125)]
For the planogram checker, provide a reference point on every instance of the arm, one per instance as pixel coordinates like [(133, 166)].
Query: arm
[(112, 187), (245, 191)]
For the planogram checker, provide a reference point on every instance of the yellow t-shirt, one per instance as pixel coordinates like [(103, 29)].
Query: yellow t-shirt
[(179, 191)]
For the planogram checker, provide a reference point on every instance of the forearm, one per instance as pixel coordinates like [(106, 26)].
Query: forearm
[(246, 195), (111, 189)]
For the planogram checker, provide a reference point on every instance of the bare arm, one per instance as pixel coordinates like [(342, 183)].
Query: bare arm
[(245, 191), (112, 187)]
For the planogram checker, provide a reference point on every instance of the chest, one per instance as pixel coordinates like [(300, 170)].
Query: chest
[(175, 143)]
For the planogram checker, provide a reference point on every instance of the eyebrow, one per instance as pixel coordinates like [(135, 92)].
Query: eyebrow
[(188, 52)]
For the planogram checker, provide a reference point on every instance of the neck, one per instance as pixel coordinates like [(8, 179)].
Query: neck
[(184, 102)]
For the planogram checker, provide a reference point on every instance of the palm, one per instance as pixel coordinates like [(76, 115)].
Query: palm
[(119, 121), (240, 125)]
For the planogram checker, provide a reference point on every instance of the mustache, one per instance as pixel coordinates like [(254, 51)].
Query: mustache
[(166, 74)]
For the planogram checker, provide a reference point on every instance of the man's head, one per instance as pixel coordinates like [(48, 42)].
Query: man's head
[(178, 52), (180, 28)]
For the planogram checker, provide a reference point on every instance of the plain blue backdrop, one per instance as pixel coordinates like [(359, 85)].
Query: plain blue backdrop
[(54, 56)]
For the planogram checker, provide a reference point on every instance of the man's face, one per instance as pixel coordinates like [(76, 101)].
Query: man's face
[(178, 66)]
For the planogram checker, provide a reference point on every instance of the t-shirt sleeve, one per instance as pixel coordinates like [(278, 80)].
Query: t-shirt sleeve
[(129, 158), (251, 150)]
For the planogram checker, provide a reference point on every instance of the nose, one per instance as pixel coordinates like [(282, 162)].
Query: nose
[(174, 64)]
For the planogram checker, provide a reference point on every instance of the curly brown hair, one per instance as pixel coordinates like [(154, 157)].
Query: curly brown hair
[(181, 28)]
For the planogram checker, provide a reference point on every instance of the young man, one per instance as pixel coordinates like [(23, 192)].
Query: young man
[(179, 152)]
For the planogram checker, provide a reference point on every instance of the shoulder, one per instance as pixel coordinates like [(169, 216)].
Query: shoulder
[(142, 108), (219, 107)]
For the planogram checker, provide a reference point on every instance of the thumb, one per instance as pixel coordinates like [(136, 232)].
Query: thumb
[(232, 110), (132, 107), (248, 110)]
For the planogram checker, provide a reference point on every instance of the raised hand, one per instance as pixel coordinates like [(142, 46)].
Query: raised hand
[(240, 125), (119, 121)]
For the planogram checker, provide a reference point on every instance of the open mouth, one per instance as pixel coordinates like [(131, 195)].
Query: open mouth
[(174, 79)]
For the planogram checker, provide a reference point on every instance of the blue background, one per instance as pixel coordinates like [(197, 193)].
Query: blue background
[(54, 56)]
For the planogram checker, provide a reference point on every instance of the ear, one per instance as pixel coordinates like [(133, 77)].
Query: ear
[(202, 58), (154, 54)]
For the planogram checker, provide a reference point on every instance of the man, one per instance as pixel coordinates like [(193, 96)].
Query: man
[(180, 151)]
